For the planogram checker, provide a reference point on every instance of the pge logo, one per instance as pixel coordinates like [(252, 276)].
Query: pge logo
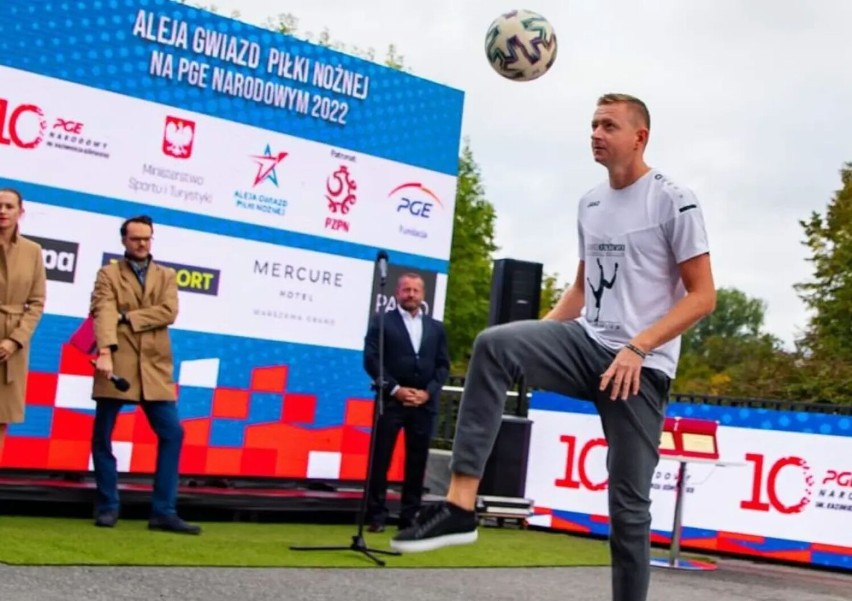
[(340, 193), (21, 125), (415, 199), (842, 479), (60, 258), (178, 137), (768, 482), (200, 280), (68, 126)]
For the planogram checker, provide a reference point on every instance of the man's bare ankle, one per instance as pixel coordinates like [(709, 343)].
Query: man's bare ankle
[(462, 492), (458, 501)]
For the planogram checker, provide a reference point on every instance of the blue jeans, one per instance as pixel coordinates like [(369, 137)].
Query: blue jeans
[(163, 418)]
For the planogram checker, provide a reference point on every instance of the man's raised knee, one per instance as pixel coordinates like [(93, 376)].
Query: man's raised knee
[(493, 336)]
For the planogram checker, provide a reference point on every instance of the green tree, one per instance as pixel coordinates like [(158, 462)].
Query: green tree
[(736, 317), (829, 293), (469, 278), (729, 354), (551, 291), (716, 351), (818, 380), (754, 366)]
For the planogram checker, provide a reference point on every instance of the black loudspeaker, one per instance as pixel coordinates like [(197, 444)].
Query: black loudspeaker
[(505, 472), (515, 291)]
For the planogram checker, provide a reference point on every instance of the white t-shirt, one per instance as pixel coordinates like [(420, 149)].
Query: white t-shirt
[(632, 241)]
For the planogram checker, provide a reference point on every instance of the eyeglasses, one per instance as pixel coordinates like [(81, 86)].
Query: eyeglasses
[(145, 239)]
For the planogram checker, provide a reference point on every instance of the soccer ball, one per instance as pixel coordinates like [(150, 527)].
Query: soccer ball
[(520, 45)]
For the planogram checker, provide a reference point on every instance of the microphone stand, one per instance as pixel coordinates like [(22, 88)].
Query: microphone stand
[(358, 543)]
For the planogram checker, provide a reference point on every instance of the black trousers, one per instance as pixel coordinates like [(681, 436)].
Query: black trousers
[(418, 425)]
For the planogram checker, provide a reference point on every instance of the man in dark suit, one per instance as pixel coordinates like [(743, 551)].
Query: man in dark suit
[(416, 365)]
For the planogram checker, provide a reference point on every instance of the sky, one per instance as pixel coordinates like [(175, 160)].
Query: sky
[(750, 106)]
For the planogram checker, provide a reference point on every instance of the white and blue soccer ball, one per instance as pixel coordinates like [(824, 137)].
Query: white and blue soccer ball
[(521, 45)]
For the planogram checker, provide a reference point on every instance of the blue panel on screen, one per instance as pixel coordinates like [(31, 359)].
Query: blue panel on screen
[(265, 407), (37, 425), (227, 433), (195, 402)]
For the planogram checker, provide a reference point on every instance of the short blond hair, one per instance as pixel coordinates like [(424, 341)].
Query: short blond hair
[(639, 107)]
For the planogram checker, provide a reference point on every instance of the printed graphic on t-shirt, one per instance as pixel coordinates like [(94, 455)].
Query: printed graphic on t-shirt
[(632, 241), (603, 309)]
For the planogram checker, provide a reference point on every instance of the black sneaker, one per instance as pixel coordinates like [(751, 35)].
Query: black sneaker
[(438, 525), (172, 523), (106, 519)]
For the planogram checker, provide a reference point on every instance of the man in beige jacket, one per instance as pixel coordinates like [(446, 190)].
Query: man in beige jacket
[(134, 302)]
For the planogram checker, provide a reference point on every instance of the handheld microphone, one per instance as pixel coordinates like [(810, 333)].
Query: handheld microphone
[(382, 258), (120, 383)]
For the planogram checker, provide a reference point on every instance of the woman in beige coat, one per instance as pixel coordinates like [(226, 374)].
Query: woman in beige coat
[(22, 292)]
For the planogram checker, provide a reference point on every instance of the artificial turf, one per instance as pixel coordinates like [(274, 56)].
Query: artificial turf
[(62, 541)]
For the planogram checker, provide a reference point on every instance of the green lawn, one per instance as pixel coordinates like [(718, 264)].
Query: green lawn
[(60, 541)]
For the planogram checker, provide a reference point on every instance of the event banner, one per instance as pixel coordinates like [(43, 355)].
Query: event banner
[(227, 286), (274, 170), (782, 487), (193, 163)]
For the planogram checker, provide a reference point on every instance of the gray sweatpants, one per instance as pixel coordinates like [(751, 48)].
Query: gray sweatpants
[(561, 357)]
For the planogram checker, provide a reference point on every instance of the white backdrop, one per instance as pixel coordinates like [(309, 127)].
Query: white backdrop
[(789, 485), (220, 165), (259, 290)]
